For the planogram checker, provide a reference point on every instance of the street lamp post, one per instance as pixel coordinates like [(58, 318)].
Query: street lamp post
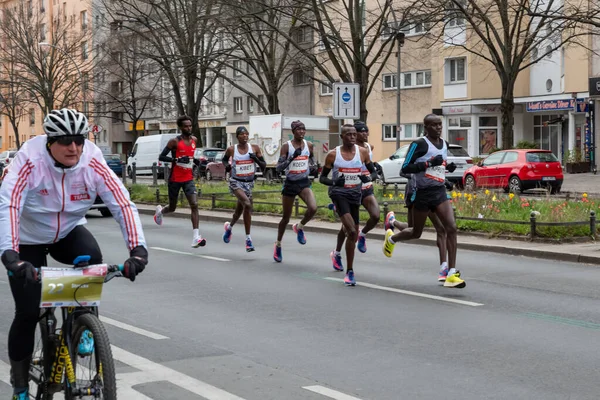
[(400, 41), (83, 91)]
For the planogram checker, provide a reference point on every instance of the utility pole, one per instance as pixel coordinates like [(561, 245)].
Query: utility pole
[(399, 42)]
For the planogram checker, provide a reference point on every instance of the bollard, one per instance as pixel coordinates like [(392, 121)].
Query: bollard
[(296, 206), (154, 174), (532, 224), (384, 190), (568, 196), (395, 190), (124, 172), (593, 224), (157, 196), (133, 173), (385, 209), (213, 199)]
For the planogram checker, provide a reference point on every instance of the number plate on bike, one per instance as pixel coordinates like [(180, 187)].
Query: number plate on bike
[(65, 287)]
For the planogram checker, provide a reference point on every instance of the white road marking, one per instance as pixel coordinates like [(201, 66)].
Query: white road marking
[(190, 254), (3, 282), (333, 394), (127, 392), (132, 328), (153, 372), (417, 294), (4, 372)]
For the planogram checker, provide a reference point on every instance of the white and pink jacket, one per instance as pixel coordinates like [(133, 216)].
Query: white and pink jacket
[(41, 203)]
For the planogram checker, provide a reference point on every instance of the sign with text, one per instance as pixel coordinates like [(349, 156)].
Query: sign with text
[(594, 86), (346, 100), (62, 287), (551, 105)]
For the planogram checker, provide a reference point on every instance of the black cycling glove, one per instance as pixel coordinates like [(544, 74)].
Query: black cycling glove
[(136, 263), (19, 269)]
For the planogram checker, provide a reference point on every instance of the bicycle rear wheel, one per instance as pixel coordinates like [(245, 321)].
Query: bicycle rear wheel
[(92, 360)]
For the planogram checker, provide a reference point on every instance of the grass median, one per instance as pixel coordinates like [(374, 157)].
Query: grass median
[(483, 206)]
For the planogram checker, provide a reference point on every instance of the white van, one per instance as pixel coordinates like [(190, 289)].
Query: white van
[(146, 151)]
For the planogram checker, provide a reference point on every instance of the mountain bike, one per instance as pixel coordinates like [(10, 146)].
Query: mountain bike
[(59, 359)]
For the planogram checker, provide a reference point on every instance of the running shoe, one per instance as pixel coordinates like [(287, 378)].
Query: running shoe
[(277, 256), (228, 233), (249, 246), (198, 242), (362, 244), (336, 261), (349, 279), (388, 248), (389, 221), (158, 215), (300, 234), (86, 344), (21, 396), (443, 274), (454, 281)]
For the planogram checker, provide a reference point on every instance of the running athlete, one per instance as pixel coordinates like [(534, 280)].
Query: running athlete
[(345, 188), (182, 161), (241, 183), (48, 188), (426, 159), (296, 159), (368, 201)]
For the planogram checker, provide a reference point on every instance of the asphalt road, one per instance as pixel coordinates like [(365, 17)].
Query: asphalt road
[(216, 322)]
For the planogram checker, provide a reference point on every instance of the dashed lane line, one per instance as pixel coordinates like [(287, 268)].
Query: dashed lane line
[(190, 254), (333, 394), (132, 328)]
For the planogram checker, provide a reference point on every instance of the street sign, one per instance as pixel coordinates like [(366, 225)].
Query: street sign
[(346, 100), (96, 128)]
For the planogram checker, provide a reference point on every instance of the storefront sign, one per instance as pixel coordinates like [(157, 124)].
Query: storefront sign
[(551, 105), (456, 110), (211, 123), (494, 109), (594, 86)]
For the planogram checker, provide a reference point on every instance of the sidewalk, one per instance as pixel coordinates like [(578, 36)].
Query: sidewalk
[(588, 252)]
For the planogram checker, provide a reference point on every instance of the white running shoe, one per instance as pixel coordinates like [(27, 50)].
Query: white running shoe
[(198, 242), (158, 215)]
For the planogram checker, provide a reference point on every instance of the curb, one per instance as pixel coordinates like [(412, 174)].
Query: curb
[(541, 254)]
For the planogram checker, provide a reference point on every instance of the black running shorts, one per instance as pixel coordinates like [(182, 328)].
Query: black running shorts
[(344, 206), (430, 198), (293, 188), (367, 192), (188, 188)]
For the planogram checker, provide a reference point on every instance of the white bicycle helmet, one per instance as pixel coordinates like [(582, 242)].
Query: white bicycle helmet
[(66, 122)]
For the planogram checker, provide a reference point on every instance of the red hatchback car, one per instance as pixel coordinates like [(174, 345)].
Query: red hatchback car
[(515, 171)]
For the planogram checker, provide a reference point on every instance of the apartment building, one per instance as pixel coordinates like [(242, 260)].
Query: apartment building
[(47, 18)]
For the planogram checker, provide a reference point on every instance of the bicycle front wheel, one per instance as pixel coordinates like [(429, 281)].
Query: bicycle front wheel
[(92, 360)]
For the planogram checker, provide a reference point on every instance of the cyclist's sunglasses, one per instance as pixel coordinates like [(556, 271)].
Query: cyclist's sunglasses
[(67, 140)]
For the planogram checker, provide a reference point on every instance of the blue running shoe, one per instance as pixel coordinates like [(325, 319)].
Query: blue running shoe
[(336, 261), (227, 234), (21, 396), (362, 244), (300, 233), (86, 344), (277, 254), (349, 279), (249, 246)]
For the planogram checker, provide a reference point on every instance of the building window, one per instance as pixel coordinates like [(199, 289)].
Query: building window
[(84, 83), (389, 132), (546, 130), (455, 16), (31, 116), (389, 81), (237, 105), (488, 134), (415, 28), (388, 30), (325, 90), (411, 131), (455, 70), (261, 100), (42, 10), (42, 32), (301, 77), (416, 79), (84, 20), (84, 50), (458, 131), (303, 34), (237, 68), (250, 101)]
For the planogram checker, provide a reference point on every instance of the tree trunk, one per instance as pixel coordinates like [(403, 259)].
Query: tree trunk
[(16, 131), (507, 108)]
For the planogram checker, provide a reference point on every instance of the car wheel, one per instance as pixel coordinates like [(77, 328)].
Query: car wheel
[(470, 184), (555, 189), (105, 212), (208, 175), (514, 184)]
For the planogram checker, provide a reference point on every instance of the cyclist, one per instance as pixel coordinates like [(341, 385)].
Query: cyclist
[(50, 185)]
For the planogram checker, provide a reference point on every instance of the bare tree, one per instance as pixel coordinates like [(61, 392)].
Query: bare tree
[(14, 98), (49, 74), (264, 53), (504, 34), (133, 83), (183, 38)]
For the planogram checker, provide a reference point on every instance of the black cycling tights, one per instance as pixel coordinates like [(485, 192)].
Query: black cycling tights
[(78, 242)]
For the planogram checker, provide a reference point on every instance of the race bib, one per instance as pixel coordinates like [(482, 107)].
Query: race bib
[(299, 165), (351, 176), (368, 184), (437, 173), (244, 168), (65, 287), (188, 165)]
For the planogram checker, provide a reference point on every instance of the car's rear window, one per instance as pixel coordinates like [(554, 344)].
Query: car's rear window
[(540, 157), (112, 157), (211, 153), (457, 152)]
